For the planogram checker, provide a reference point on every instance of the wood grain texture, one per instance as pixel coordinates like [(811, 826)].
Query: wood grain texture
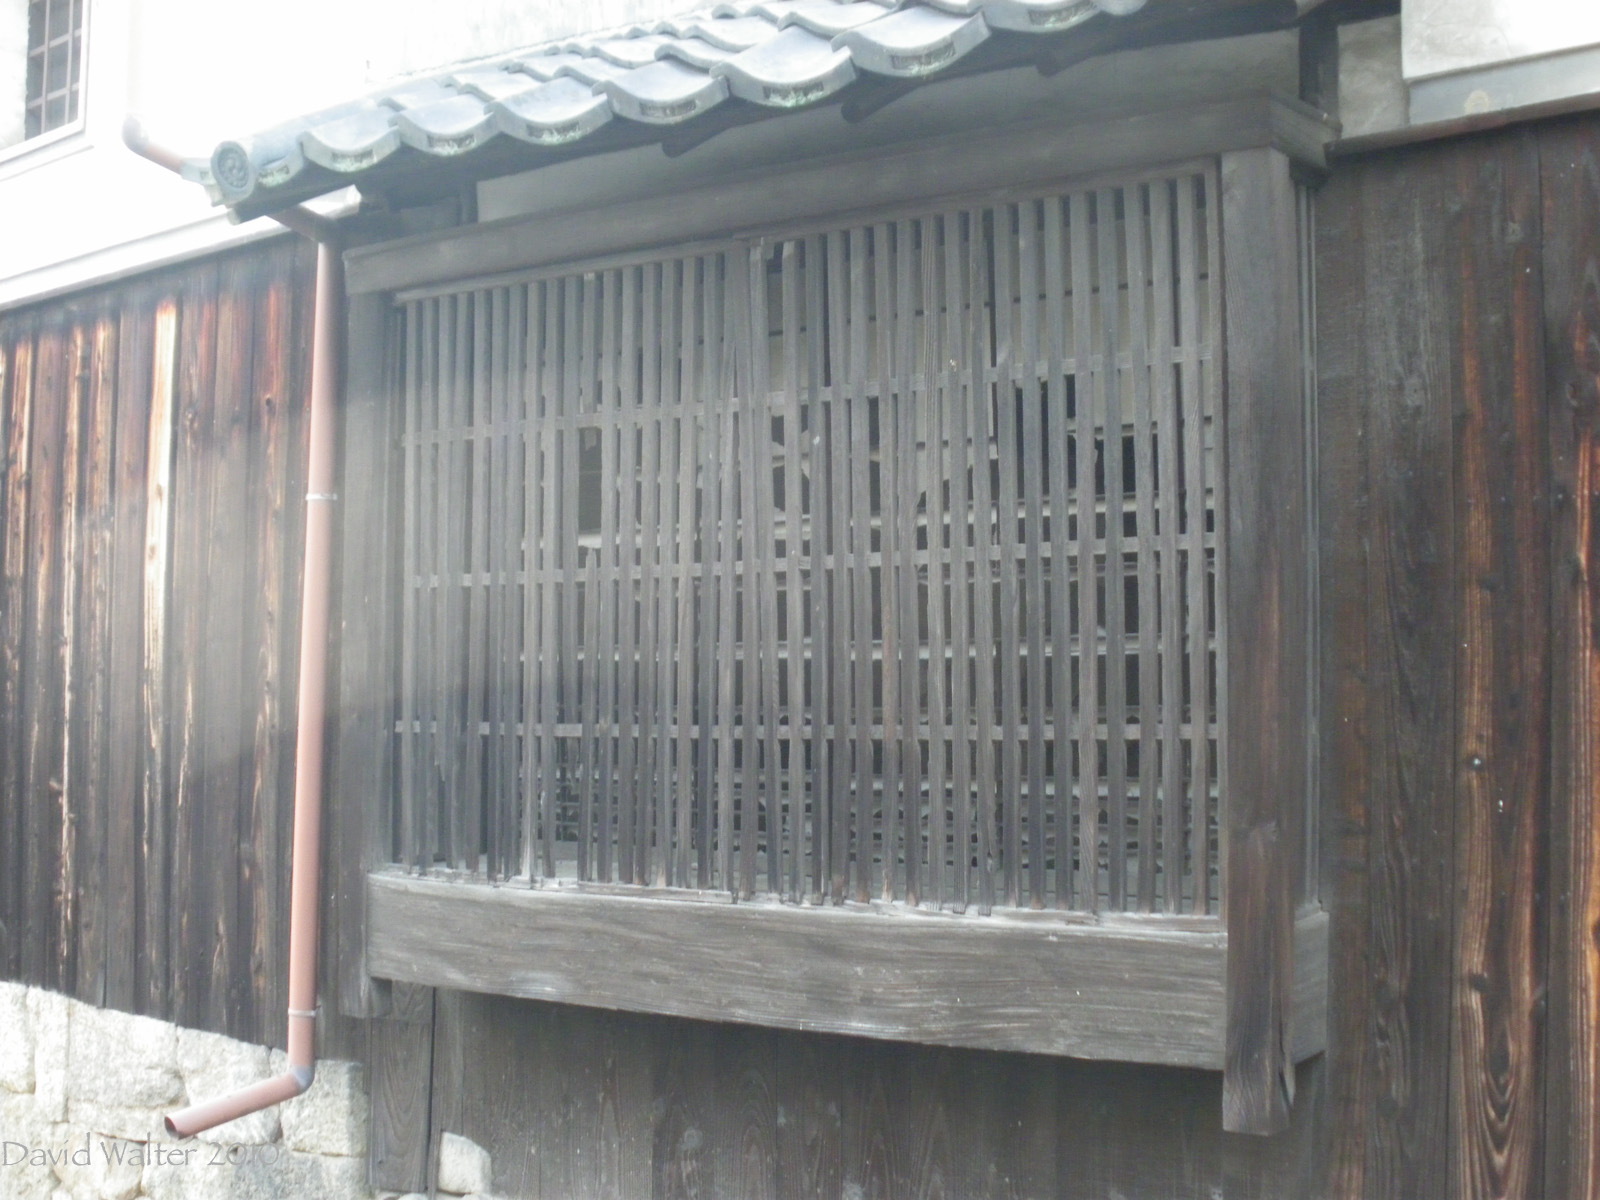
[(1347, 793), (1268, 619), (1123, 991), (1502, 678), (1569, 156)]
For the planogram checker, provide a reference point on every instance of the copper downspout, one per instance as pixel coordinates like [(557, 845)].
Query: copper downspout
[(305, 879)]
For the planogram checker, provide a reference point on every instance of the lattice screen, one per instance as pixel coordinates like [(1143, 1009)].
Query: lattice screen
[(808, 567)]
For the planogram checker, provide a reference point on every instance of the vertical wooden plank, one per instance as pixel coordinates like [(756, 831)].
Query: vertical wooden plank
[(43, 795), (727, 551), (1347, 746), (661, 332), (92, 925), (1570, 187), (219, 694), (68, 782), (124, 937), (194, 502), (1266, 658), (1502, 782), (158, 534), (400, 1058), (361, 773), (17, 394)]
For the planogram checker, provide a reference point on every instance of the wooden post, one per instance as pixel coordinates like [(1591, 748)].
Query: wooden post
[(368, 591), (1267, 622)]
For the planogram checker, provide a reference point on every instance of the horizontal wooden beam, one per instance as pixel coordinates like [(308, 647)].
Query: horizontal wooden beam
[(1132, 989), (831, 188)]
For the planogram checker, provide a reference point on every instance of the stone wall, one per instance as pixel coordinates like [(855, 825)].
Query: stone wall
[(83, 1091)]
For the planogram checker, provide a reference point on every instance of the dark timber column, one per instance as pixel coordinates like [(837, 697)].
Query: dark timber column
[(1263, 796)]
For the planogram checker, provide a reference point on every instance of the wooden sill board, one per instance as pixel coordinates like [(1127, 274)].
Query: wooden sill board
[(1127, 990)]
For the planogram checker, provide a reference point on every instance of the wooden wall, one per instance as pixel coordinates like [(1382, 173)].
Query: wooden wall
[(1459, 300), (143, 864), (150, 529)]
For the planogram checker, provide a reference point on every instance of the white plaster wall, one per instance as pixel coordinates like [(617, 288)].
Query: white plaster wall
[(199, 71), (1458, 35)]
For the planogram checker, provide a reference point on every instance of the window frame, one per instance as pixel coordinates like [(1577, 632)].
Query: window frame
[(1169, 990), (63, 139)]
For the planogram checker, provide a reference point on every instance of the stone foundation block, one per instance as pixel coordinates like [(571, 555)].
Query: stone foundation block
[(212, 1066), (49, 1018), (16, 1039), (332, 1116), (464, 1166), (116, 1059)]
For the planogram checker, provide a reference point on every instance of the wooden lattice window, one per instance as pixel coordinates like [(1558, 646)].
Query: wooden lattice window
[(807, 567)]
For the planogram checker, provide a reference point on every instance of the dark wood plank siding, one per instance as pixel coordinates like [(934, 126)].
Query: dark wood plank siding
[(1458, 364), (151, 503)]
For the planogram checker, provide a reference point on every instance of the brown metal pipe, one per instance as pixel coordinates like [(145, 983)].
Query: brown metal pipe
[(305, 878)]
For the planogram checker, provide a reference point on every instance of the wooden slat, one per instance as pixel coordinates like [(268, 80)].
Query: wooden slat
[(840, 700), (981, 288), (903, 422), (1058, 449), (1108, 398), (94, 919), (690, 440), (621, 395), (193, 506), (135, 354), (960, 314), (861, 823), (40, 790), (1030, 450), (1570, 189), (795, 471), (1502, 676), (932, 462), (1087, 890), (1174, 843), (1191, 391), (764, 561), (477, 423), (18, 364), (1136, 236)]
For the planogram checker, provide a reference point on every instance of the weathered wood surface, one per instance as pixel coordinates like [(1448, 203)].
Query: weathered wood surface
[(578, 1103), (1570, 215), (1124, 990), (1457, 342), (1266, 664), (149, 599)]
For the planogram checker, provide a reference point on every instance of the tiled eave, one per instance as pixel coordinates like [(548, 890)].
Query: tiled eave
[(675, 81)]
